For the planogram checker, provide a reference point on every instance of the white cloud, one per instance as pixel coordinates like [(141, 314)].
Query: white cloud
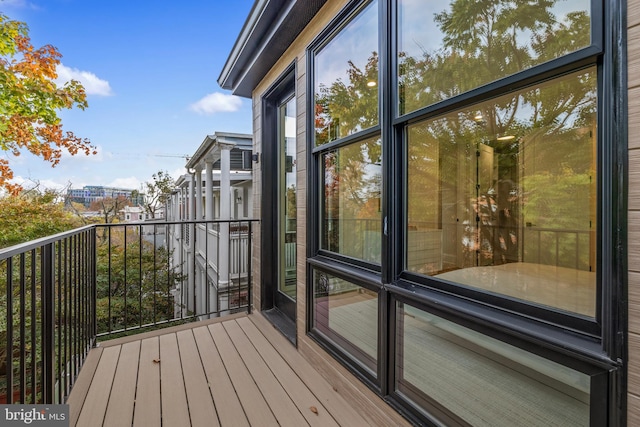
[(93, 85), (41, 184), (131, 182), (21, 4), (216, 103)]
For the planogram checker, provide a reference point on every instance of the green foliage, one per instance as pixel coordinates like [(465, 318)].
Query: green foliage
[(158, 191), (32, 216), (136, 280)]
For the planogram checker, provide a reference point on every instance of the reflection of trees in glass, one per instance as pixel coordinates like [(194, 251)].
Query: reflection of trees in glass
[(484, 40), (524, 159), (343, 108), (352, 189)]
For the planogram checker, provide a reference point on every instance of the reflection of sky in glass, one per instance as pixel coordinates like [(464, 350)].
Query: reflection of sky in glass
[(419, 33), (354, 43), (290, 135)]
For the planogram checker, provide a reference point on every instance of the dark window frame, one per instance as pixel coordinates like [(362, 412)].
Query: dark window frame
[(594, 345)]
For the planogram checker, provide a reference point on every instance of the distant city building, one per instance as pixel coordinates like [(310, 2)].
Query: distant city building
[(91, 193)]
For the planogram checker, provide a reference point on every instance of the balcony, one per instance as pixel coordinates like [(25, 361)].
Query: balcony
[(150, 324)]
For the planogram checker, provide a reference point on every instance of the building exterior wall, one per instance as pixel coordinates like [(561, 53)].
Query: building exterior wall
[(633, 52), (356, 392), (296, 53)]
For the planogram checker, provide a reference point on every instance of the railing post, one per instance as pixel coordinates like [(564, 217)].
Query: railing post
[(48, 323), (94, 283), (249, 262)]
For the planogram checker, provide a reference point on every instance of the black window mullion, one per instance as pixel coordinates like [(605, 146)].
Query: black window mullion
[(531, 76)]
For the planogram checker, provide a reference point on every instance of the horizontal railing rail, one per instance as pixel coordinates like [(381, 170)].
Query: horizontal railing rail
[(61, 294)]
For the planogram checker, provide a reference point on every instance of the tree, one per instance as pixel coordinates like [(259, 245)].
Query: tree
[(30, 100), (158, 191), (32, 215), (134, 281), (109, 207)]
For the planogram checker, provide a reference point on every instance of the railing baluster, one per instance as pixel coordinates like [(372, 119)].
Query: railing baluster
[(249, 278), (125, 284), (65, 316), (34, 347), (140, 273), (48, 320), (9, 363), (109, 290), (23, 343)]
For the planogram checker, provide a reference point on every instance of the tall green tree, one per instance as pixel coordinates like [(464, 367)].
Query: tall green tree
[(158, 191)]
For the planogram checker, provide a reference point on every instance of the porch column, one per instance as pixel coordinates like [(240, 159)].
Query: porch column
[(213, 290), (208, 189), (198, 193), (191, 263), (225, 214)]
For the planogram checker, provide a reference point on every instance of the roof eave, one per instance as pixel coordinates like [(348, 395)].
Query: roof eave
[(271, 27)]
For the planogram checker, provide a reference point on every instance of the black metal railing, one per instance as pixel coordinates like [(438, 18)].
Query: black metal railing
[(150, 274), (47, 288), (63, 293)]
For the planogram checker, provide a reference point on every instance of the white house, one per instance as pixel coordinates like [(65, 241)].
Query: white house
[(133, 214), (217, 186)]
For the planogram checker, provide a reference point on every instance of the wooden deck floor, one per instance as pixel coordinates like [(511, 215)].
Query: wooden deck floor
[(235, 372)]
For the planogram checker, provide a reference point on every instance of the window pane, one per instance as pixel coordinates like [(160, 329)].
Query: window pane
[(449, 47), (351, 200), (346, 79), (475, 379), (502, 196), (348, 315)]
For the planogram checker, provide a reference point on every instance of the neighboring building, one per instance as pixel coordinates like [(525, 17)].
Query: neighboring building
[(91, 193), (133, 214), (456, 183), (218, 186)]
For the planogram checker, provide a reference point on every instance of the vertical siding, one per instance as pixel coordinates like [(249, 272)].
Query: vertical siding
[(633, 21)]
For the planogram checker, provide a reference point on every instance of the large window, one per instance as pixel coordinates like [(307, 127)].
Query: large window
[(346, 79), (472, 379), (347, 314), (449, 47), (460, 220), (351, 200), (502, 194)]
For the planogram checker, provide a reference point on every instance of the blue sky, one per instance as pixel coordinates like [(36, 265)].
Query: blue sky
[(150, 68)]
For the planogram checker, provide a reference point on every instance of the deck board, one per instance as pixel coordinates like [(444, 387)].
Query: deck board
[(148, 411), (286, 412), (172, 388), (201, 408), (120, 407), (232, 372), (99, 391), (308, 404), (253, 402), (228, 407)]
